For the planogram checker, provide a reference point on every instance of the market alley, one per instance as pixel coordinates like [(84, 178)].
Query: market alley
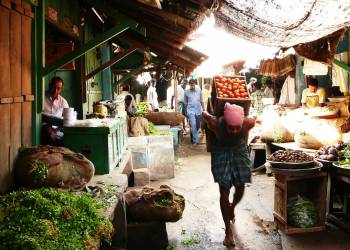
[(202, 227)]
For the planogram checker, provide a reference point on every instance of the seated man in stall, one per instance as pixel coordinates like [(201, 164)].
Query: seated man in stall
[(313, 95), (130, 108), (52, 117)]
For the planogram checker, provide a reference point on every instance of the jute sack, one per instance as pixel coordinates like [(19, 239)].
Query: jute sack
[(154, 204), (165, 118), (314, 134), (53, 167), (137, 126)]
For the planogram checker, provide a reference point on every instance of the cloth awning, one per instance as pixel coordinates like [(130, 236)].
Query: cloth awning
[(282, 23)]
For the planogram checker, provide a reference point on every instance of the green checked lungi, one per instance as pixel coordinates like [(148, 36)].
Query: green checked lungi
[(231, 165)]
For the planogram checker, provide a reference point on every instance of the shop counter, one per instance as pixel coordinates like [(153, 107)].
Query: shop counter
[(104, 144)]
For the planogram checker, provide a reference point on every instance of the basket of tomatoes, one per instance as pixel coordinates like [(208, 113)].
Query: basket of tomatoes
[(231, 89)]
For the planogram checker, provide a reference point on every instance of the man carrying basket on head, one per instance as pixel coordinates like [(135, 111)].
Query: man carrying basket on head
[(230, 161)]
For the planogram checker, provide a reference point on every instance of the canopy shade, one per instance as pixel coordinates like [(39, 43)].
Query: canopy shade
[(282, 23)]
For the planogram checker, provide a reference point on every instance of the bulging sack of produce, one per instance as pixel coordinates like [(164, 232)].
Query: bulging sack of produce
[(154, 204), (165, 118), (301, 212), (137, 126), (314, 134), (54, 167), (277, 129)]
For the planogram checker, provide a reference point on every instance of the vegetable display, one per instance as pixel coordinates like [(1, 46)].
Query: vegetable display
[(230, 87), (142, 109), (154, 131), (301, 212), (49, 219), (293, 156), (332, 153), (344, 157)]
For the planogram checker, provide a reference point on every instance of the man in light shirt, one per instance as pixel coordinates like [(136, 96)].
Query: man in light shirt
[(54, 102), (313, 95), (268, 89), (53, 111), (152, 96), (288, 90), (194, 107), (170, 95)]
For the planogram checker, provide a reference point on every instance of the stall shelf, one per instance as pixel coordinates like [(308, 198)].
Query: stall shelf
[(313, 186)]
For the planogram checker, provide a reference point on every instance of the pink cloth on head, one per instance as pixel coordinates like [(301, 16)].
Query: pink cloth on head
[(233, 114)]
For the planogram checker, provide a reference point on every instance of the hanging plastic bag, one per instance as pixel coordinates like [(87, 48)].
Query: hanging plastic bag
[(301, 212)]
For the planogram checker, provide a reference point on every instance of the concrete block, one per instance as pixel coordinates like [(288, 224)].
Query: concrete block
[(138, 141), (161, 161), (147, 235), (127, 163), (140, 157), (141, 177), (160, 140)]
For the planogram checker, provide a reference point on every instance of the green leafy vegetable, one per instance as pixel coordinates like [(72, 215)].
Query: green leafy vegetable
[(39, 171), (163, 201), (142, 109), (189, 242), (301, 213), (49, 219)]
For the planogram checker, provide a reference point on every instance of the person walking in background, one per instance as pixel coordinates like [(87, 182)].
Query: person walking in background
[(268, 91), (194, 106), (251, 85), (257, 99), (170, 95), (230, 161), (206, 95), (181, 104), (152, 96)]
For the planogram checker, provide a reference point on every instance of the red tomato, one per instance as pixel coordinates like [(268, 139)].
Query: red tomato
[(241, 90), (236, 92), (224, 95)]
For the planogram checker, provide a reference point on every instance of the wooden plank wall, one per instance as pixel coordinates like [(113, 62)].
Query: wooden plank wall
[(15, 84)]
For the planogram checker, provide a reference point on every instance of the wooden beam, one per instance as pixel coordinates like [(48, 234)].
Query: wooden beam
[(171, 53), (167, 16), (204, 3), (149, 21), (114, 60), (99, 39), (165, 36), (130, 74)]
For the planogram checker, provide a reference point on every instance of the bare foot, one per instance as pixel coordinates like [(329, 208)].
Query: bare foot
[(228, 241)]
